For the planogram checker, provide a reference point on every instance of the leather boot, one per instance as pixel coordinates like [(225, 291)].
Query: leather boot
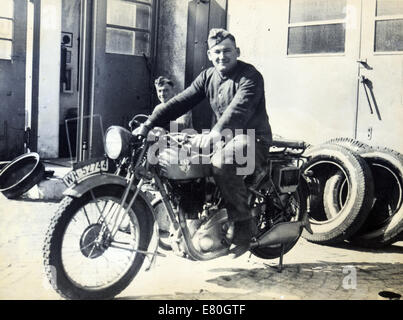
[(244, 231)]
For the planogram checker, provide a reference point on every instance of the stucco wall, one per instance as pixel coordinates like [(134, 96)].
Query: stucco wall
[(48, 100), (171, 46), (318, 96), (305, 98)]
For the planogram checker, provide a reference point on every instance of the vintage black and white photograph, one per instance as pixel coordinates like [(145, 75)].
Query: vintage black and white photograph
[(214, 150)]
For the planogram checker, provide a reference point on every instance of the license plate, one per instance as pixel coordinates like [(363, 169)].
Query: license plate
[(85, 169)]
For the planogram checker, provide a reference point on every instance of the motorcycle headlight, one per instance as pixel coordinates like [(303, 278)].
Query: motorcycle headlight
[(117, 142)]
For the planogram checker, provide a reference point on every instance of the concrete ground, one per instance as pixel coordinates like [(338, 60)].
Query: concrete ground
[(311, 271)]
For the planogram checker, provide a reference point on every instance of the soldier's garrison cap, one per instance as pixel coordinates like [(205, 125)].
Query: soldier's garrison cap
[(218, 35)]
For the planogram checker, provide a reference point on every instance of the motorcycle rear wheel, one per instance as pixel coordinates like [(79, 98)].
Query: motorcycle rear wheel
[(79, 269), (296, 203)]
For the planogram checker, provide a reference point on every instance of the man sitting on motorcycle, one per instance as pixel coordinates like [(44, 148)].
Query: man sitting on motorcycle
[(235, 90)]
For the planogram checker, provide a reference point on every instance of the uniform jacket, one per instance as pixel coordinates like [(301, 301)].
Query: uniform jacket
[(238, 100)]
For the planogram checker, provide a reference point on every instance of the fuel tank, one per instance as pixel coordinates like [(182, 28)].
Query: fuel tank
[(175, 166), (178, 159)]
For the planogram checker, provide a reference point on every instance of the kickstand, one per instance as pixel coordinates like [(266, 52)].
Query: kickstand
[(280, 264)]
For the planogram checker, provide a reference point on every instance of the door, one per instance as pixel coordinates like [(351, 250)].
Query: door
[(13, 27), (122, 59), (380, 105), (202, 16)]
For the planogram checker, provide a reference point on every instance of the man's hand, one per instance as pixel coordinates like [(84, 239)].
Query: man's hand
[(206, 139), (141, 130)]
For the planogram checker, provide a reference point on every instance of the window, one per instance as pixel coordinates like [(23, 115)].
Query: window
[(6, 28), (316, 26), (389, 26), (128, 27)]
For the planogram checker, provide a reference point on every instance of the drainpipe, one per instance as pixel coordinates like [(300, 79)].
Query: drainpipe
[(92, 81), (82, 63)]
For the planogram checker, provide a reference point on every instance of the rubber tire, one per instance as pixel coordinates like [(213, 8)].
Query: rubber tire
[(332, 199), (353, 215), (19, 190), (273, 252), (28, 182), (392, 230), (351, 144), (388, 232), (53, 240)]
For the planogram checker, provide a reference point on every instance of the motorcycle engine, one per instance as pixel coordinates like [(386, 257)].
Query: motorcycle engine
[(207, 222), (215, 233)]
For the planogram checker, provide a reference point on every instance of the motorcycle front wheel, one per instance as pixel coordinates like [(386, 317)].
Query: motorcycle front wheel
[(82, 259)]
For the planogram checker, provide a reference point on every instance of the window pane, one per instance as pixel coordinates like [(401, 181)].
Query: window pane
[(127, 42), (327, 38), (316, 10), (121, 13), (389, 7), (119, 41), (143, 17), (142, 44), (128, 14), (389, 35), (6, 29), (7, 8), (5, 49)]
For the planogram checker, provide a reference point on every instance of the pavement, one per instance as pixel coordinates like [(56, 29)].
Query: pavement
[(311, 271)]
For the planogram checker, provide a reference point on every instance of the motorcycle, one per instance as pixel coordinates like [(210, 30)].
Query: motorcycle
[(122, 208)]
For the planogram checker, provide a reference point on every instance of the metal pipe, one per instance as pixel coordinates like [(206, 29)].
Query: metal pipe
[(83, 31), (357, 97), (92, 81)]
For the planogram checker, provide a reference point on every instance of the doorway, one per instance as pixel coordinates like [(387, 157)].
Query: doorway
[(120, 64), (69, 80), (105, 53)]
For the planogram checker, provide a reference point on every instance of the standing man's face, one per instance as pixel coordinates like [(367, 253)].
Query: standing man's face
[(165, 92), (224, 55)]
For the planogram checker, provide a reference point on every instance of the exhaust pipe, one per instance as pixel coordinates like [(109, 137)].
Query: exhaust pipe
[(282, 233)]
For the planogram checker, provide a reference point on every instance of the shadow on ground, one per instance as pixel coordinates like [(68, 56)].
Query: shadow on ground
[(350, 246), (324, 281)]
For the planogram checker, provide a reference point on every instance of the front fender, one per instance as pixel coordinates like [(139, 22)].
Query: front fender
[(104, 179), (98, 180)]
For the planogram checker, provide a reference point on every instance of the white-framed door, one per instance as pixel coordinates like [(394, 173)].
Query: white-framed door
[(380, 100)]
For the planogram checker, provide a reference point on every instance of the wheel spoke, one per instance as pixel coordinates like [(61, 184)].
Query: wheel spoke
[(90, 265), (86, 246), (96, 203)]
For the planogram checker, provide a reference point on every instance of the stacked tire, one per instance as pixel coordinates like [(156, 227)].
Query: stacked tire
[(355, 193)]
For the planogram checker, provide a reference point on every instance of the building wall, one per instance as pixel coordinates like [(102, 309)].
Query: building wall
[(171, 46), (297, 107), (316, 97), (49, 85)]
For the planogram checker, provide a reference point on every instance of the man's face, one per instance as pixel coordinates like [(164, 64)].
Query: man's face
[(164, 93), (224, 55)]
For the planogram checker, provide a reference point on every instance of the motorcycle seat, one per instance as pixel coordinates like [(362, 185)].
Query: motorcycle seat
[(287, 143)]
